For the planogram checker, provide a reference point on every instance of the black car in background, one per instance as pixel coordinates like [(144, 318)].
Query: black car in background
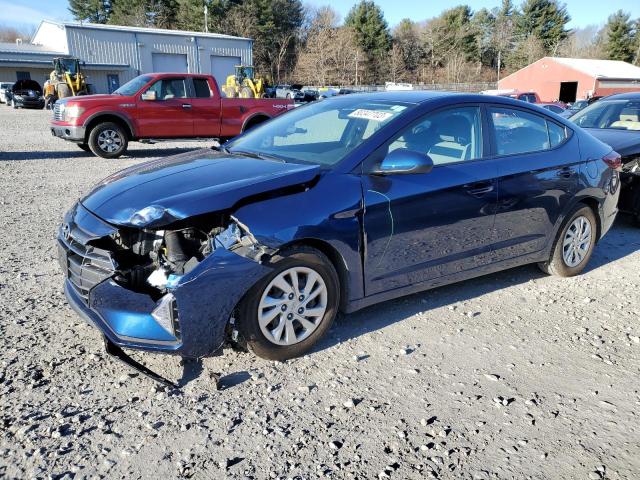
[(615, 120), (25, 94)]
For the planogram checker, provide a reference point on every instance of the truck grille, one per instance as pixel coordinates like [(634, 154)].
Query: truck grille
[(57, 112), (84, 265)]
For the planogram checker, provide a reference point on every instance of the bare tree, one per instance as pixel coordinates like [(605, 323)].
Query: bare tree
[(11, 34), (395, 64)]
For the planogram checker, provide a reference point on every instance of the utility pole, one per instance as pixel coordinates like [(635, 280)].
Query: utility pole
[(206, 18)]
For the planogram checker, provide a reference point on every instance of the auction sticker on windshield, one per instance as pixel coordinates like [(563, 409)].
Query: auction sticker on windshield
[(376, 115)]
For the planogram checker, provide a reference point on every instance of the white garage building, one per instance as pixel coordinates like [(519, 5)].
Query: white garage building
[(114, 54)]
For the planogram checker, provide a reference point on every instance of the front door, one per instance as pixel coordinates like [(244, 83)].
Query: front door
[(538, 175), (171, 101), (420, 227)]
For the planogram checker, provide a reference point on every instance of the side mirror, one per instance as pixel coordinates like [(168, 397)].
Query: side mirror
[(403, 161), (149, 96)]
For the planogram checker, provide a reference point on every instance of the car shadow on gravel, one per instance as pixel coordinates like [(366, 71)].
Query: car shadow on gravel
[(67, 154), (622, 240)]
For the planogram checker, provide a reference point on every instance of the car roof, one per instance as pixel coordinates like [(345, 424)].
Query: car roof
[(623, 96)]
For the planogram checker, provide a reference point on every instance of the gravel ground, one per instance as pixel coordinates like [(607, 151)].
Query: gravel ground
[(513, 375)]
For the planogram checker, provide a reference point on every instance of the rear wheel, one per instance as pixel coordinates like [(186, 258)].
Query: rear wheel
[(108, 140), (293, 307), (573, 245)]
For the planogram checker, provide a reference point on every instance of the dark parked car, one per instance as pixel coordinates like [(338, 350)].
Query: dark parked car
[(574, 108), (615, 120), (333, 206), (552, 107), (25, 94)]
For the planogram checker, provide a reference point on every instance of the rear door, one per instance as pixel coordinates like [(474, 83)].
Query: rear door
[(205, 108), (170, 114), (419, 227), (538, 171)]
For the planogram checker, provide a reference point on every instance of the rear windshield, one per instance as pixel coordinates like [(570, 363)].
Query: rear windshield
[(132, 86)]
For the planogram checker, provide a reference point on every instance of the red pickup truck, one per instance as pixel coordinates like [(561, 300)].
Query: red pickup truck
[(158, 106)]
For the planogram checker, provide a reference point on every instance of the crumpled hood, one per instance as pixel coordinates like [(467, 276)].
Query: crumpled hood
[(625, 142), (191, 184)]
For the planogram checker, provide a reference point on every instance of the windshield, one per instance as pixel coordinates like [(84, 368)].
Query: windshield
[(614, 114), (579, 105), (320, 133), (132, 86), (69, 65)]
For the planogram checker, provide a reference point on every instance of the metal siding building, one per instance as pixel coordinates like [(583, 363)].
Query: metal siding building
[(114, 54)]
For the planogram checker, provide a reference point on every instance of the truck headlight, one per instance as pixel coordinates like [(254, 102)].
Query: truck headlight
[(73, 111)]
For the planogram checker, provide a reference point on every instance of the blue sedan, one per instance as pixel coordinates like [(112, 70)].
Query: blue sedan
[(334, 206)]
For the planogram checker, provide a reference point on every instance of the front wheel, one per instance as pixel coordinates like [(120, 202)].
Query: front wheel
[(573, 245), (108, 140), (293, 307)]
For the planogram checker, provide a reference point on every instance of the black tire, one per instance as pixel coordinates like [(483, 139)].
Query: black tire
[(104, 151), (556, 265), (85, 147), (247, 321)]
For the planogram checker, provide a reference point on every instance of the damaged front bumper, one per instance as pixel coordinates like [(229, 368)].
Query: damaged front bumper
[(190, 319)]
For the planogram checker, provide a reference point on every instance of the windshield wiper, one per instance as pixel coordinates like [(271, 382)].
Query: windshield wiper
[(221, 148), (259, 156)]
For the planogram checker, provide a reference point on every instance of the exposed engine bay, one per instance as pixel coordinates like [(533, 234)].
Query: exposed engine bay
[(152, 261)]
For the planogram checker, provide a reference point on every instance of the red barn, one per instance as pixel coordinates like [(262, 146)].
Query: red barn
[(571, 79)]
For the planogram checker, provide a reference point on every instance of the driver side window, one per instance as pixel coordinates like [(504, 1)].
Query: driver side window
[(447, 136), (169, 88)]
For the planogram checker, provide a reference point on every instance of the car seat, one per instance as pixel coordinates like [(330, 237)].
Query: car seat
[(453, 140)]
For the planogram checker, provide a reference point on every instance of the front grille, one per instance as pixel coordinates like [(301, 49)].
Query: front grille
[(57, 112), (84, 265)]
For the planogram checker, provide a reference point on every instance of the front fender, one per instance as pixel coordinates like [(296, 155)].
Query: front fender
[(328, 212)]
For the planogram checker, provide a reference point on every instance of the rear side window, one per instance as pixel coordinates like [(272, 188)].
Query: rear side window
[(522, 132), (201, 86)]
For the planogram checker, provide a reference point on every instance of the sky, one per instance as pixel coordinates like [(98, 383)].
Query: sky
[(583, 12)]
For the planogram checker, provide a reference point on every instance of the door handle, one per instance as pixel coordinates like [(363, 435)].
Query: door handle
[(186, 105), (479, 189)]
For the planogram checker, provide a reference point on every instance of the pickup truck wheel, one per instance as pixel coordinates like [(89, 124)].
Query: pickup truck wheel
[(84, 146), (108, 140), (289, 310)]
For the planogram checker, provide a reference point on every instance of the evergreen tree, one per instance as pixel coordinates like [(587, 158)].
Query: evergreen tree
[(372, 34), (132, 13), (94, 11), (544, 19), (458, 28), (620, 41)]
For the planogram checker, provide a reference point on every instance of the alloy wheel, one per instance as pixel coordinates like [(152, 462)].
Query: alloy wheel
[(292, 306), (577, 241), (109, 141)]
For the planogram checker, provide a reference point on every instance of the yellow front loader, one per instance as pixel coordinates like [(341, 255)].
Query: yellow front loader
[(243, 84), (66, 80)]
